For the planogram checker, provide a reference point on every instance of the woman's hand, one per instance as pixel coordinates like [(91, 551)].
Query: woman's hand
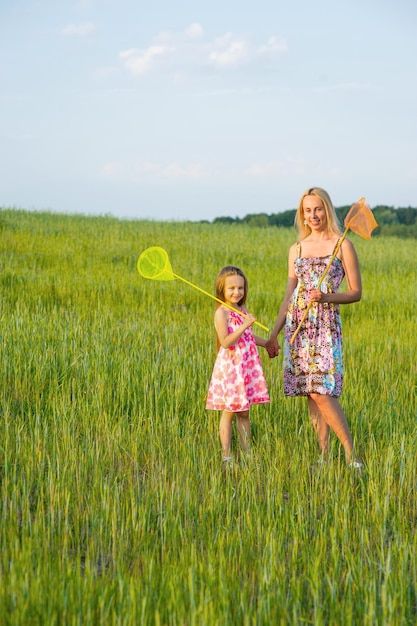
[(272, 347), (315, 295)]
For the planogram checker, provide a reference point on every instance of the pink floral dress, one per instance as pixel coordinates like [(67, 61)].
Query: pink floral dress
[(313, 363), (238, 379)]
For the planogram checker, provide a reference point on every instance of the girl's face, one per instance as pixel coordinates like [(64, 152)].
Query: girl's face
[(234, 289), (314, 213)]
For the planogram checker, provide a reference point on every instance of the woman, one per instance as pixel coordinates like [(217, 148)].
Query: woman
[(313, 365)]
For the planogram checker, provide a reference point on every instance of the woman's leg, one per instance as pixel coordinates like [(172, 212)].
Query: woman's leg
[(332, 413), (243, 427), (225, 429), (320, 426)]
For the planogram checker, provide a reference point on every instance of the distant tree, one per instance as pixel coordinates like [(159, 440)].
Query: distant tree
[(401, 222), (342, 211), (284, 219), (224, 220), (256, 219), (404, 231), (261, 221), (385, 215), (407, 215)]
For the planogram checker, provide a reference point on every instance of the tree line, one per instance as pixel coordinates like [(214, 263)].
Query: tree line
[(397, 222)]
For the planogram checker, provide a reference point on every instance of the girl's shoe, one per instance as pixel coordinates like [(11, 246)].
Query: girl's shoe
[(319, 464), (227, 463), (356, 465)]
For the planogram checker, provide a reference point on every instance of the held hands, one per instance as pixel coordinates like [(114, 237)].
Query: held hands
[(272, 347)]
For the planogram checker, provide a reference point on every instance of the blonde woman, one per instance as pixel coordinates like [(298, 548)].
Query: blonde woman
[(313, 364)]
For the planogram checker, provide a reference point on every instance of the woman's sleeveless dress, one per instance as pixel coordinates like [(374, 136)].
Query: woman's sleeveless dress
[(238, 379), (313, 363)]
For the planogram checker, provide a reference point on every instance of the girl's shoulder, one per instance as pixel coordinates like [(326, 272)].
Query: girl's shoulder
[(222, 312)]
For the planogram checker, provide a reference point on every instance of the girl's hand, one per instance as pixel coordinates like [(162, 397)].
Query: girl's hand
[(272, 347), (249, 320)]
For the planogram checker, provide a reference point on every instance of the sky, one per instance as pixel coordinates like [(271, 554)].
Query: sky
[(179, 110)]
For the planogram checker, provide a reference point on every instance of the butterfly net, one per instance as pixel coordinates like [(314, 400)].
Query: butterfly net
[(154, 263), (360, 219)]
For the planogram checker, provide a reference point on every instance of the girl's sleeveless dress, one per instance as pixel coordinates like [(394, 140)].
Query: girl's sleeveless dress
[(238, 379), (313, 363)]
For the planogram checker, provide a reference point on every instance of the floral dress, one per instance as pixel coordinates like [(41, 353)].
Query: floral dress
[(313, 363), (238, 379)]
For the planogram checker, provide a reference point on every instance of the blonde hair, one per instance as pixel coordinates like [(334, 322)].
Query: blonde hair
[(230, 270), (332, 222)]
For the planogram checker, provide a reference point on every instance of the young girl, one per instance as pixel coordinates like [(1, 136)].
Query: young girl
[(238, 380)]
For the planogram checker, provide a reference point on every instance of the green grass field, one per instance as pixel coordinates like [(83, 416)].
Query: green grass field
[(114, 509)]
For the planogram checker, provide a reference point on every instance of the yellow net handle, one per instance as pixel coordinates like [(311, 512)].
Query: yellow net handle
[(336, 250), (364, 229), (218, 300)]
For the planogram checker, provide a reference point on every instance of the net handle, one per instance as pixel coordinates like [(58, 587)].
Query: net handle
[(336, 250), (229, 306)]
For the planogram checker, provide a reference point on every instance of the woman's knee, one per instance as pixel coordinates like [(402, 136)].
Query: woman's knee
[(318, 398)]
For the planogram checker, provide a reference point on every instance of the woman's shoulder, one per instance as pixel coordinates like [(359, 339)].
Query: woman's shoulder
[(347, 245), (348, 253), (294, 249)]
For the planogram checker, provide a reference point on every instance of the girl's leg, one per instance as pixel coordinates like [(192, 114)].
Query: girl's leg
[(332, 413), (226, 432), (320, 426), (243, 427)]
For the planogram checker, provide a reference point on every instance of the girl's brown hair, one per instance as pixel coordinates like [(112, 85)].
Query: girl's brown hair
[(229, 270)]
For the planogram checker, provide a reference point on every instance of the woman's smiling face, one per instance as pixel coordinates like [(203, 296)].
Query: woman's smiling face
[(314, 213)]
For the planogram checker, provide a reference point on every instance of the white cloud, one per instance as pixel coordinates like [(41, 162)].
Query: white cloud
[(230, 52), (342, 87), (175, 171), (231, 91), (151, 171), (194, 31), (273, 45), (259, 170), (274, 168), (85, 4), (78, 30), (186, 53), (104, 72), (140, 61), (112, 170)]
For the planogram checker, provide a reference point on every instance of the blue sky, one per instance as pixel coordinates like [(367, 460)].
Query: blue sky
[(193, 110)]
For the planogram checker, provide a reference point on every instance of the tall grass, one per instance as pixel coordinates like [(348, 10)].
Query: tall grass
[(113, 506)]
